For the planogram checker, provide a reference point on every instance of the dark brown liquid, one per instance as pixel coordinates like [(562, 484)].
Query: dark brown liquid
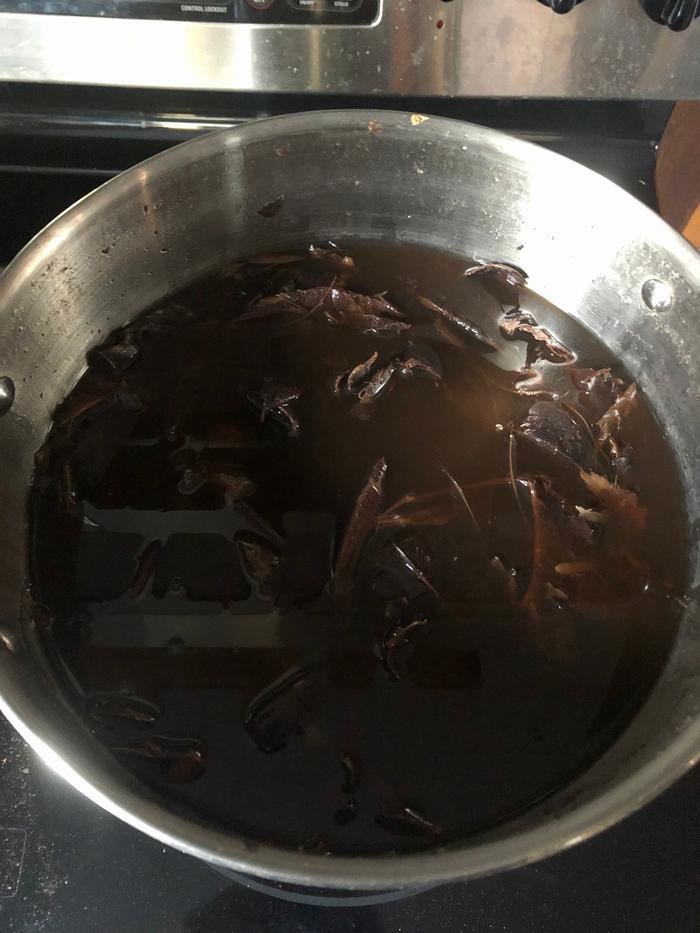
[(184, 546)]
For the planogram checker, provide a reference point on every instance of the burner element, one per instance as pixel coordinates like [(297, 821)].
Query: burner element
[(320, 897)]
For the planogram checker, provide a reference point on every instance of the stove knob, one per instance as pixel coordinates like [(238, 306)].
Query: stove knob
[(676, 14), (561, 6)]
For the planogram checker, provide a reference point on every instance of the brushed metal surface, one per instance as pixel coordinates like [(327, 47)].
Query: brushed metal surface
[(509, 48), (588, 247)]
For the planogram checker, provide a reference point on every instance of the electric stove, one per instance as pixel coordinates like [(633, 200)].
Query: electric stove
[(94, 86)]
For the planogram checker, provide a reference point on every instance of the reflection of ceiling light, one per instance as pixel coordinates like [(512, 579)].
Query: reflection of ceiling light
[(552, 199), (44, 249), (104, 46)]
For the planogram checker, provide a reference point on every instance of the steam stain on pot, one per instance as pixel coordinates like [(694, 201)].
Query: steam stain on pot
[(378, 548)]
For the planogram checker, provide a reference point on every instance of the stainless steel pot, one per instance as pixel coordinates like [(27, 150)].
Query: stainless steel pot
[(588, 247)]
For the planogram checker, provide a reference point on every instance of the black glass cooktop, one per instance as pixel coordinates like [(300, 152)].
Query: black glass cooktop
[(68, 867)]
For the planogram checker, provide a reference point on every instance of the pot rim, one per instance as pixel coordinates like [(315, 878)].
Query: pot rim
[(461, 860)]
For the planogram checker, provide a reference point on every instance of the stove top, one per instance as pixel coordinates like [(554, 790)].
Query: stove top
[(67, 866)]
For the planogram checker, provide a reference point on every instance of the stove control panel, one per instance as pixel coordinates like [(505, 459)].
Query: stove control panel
[(676, 14), (561, 6), (412, 49), (265, 12)]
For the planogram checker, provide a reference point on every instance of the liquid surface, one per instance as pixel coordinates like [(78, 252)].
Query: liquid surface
[(347, 602)]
